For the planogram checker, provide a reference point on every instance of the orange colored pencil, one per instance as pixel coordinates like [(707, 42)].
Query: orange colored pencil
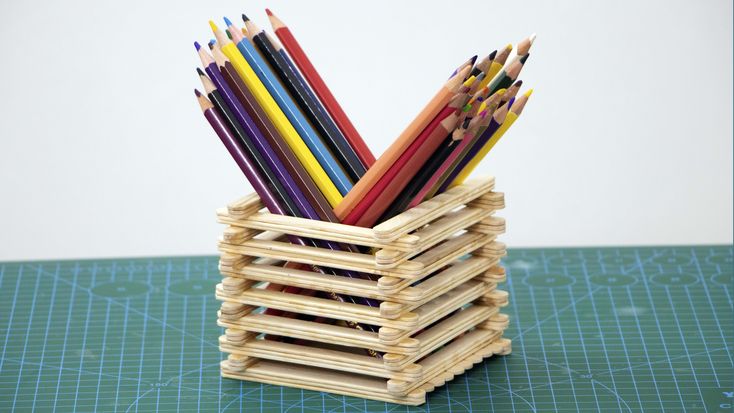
[(398, 177), (382, 165)]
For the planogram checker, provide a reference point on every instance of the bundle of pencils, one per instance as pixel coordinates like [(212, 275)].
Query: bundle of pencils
[(303, 156)]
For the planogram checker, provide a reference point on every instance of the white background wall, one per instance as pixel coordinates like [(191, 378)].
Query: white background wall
[(626, 141)]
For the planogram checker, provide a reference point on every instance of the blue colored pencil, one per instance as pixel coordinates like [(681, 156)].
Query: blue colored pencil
[(291, 111)]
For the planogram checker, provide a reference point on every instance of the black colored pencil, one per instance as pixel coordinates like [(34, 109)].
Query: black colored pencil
[(325, 127), (505, 78), (236, 129), (421, 178)]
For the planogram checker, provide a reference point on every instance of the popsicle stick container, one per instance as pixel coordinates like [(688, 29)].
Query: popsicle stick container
[(421, 305)]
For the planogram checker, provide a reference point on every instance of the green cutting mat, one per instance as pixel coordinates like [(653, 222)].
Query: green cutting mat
[(612, 329)]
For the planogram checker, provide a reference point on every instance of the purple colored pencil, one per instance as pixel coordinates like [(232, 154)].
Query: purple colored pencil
[(238, 152), (254, 134), (261, 144), (476, 147), (235, 149), (468, 62)]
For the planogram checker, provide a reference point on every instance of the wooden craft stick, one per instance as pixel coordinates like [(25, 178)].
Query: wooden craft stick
[(321, 332), (403, 293), (424, 213), (319, 357), (260, 297)]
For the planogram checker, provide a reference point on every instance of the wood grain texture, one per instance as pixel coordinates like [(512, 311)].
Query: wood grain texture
[(437, 267)]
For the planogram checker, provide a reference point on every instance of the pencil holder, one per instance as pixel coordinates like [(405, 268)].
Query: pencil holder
[(426, 309)]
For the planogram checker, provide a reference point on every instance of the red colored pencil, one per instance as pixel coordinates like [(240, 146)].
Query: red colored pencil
[(322, 91), (380, 196), (467, 137)]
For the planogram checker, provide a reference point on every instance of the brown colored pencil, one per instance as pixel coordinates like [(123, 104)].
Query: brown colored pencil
[(511, 92), (271, 134)]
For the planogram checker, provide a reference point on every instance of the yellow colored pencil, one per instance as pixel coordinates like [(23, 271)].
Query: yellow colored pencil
[(512, 116), (276, 115), (496, 65)]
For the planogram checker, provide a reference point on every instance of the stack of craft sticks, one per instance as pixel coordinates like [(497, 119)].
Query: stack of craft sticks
[(363, 276)]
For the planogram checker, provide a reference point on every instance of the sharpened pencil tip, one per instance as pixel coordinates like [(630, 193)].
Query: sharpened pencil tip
[(229, 35), (510, 102), (197, 93), (197, 45), (213, 26), (509, 46), (211, 43), (245, 18), (518, 83), (200, 72), (227, 21), (473, 59), (528, 93), (268, 12), (524, 58), (492, 55), (532, 38)]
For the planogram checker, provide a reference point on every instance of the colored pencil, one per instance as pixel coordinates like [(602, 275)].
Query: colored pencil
[(273, 173), (291, 111), (264, 157), (235, 149), (477, 104), (389, 186), (497, 64), (522, 49), (307, 212), (474, 88), (483, 64), (512, 116), (497, 119), (511, 92), (305, 148), (246, 126), (318, 208), (424, 174), (276, 141), (276, 115), (331, 135), (260, 148), (469, 135), (488, 107), (259, 174), (383, 164), (505, 78), (468, 63), (322, 91)]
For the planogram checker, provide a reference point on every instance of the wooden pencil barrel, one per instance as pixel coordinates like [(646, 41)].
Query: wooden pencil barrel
[(426, 309)]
